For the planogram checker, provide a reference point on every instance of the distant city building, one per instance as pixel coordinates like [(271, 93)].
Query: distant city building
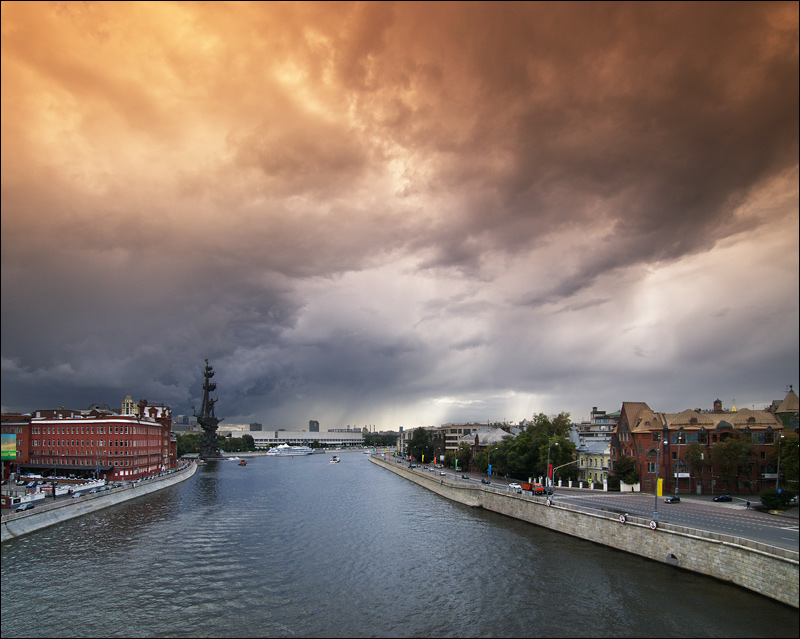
[(129, 406), (184, 424), (594, 459), (448, 436), (338, 439), (592, 441), (255, 426), (313, 426)]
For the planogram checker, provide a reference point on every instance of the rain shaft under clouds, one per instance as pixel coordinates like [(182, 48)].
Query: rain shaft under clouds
[(399, 214)]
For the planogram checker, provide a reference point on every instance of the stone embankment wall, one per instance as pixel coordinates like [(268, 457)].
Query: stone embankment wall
[(770, 571), (64, 508)]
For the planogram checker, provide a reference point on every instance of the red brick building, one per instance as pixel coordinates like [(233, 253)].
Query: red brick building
[(659, 442), (96, 443)]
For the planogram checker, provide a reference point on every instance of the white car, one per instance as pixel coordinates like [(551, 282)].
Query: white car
[(514, 487)]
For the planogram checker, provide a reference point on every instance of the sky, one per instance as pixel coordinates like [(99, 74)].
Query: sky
[(399, 214)]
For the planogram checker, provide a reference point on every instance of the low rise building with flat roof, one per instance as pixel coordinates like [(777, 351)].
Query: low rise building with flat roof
[(338, 439)]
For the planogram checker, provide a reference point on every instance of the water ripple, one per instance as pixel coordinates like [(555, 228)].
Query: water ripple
[(302, 548)]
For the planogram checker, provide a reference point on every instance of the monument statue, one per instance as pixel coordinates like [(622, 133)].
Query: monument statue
[(206, 418)]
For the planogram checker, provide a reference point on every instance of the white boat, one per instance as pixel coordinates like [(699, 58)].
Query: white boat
[(284, 450), (335, 459)]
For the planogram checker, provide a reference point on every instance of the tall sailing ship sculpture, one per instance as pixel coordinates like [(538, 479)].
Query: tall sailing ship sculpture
[(207, 420)]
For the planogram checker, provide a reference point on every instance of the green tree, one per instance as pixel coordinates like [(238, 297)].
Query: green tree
[(464, 456), (380, 439), (789, 449), (562, 425), (544, 427), (694, 456), (188, 443), (729, 458), (525, 456), (774, 500), (624, 471), (420, 446), (495, 455), (522, 454), (561, 451)]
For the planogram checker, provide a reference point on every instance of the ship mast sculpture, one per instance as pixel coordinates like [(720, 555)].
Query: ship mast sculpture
[(206, 418)]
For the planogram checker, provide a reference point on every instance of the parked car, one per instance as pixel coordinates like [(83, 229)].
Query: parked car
[(723, 498), (674, 499), (23, 507), (485, 481)]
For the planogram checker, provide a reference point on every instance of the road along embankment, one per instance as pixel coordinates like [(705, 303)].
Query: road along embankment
[(768, 570), (58, 510)]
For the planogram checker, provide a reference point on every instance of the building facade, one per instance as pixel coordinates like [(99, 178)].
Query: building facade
[(92, 444), (677, 448), (337, 439), (446, 437), (592, 441), (594, 461)]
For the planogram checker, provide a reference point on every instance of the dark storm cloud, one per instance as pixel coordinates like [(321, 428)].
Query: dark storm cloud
[(414, 206), (659, 123)]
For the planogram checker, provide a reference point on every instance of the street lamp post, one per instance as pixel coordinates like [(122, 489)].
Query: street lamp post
[(678, 465), (547, 470), (655, 491), (778, 474), (555, 470)]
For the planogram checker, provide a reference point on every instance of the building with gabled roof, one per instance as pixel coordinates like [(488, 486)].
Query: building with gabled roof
[(658, 443)]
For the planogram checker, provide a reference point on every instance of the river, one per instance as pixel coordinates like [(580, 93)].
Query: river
[(300, 547)]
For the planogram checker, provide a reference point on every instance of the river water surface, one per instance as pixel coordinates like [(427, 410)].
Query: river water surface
[(300, 547)]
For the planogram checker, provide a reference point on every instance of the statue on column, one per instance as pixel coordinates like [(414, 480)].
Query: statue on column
[(206, 418)]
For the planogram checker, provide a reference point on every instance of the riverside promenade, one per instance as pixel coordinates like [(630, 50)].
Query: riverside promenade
[(54, 511), (768, 570)]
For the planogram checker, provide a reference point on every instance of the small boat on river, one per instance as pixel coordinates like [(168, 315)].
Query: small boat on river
[(242, 462), (335, 459)]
